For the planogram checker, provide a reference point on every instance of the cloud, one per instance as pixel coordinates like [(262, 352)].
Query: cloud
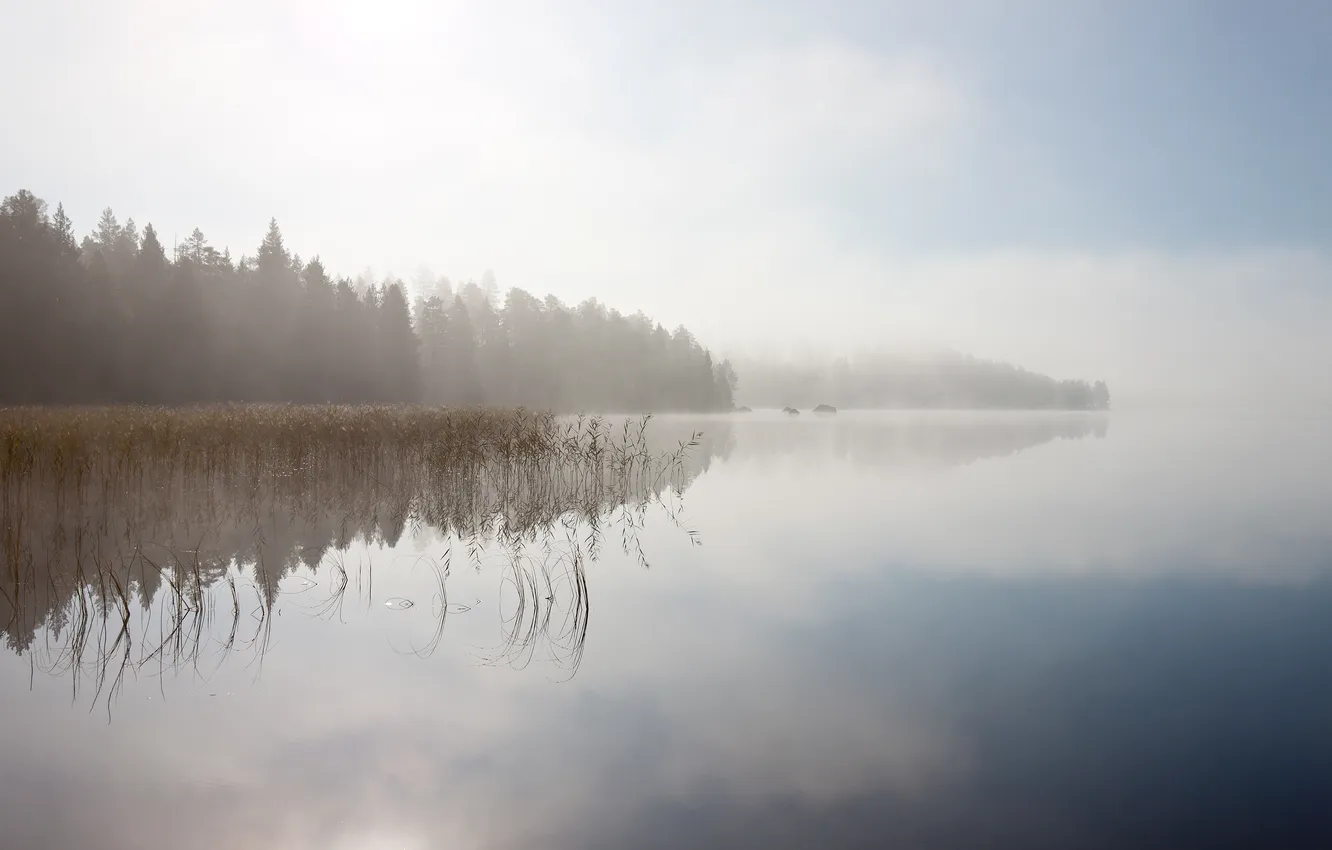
[(819, 108), (468, 140)]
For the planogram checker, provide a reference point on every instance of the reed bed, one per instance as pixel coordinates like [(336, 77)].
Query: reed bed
[(205, 510), (290, 437), (102, 479)]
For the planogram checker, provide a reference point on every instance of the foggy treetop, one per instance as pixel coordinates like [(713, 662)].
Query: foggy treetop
[(884, 381), (113, 319)]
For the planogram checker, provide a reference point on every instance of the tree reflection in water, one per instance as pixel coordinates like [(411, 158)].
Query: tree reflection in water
[(148, 542), (144, 553)]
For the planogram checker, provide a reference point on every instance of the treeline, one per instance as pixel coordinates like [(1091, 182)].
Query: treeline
[(887, 381), (113, 318), (541, 353)]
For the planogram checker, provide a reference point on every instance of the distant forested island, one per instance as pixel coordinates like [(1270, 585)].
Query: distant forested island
[(114, 318), (894, 381)]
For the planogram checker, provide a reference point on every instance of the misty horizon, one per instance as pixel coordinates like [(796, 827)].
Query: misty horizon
[(767, 176), (788, 347), (90, 317), (589, 425)]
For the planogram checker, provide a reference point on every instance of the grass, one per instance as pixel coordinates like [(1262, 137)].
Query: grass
[(73, 440), (114, 521), (56, 463)]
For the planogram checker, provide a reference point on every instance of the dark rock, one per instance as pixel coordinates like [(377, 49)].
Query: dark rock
[(825, 408)]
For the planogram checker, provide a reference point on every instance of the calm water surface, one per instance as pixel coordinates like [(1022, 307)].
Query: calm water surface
[(944, 630)]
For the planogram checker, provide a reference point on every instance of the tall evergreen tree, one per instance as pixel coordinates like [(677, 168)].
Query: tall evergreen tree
[(398, 348), (108, 231), (63, 231)]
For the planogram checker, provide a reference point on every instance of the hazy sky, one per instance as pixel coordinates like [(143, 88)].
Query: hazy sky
[(1138, 191)]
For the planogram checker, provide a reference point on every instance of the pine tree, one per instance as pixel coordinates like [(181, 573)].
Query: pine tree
[(63, 230), (398, 347), (273, 258), (107, 232)]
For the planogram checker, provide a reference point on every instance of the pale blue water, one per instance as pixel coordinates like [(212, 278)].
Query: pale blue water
[(944, 630)]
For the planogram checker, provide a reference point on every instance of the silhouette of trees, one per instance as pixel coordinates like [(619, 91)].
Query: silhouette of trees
[(113, 318), (538, 352), (1100, 396), (894, 381), (396, 347)]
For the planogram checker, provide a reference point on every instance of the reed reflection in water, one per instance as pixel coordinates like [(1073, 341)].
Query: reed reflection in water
[(139, 539)]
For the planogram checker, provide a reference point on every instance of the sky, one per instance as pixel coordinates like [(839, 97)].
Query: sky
[(1133, 191)]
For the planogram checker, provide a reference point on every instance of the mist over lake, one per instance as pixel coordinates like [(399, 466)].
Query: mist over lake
[(621, 426), (944, 628)]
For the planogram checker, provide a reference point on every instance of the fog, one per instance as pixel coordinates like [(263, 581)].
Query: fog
[(785, 180), (589, 423)]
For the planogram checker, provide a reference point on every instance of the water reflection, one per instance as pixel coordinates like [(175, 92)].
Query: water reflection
[(114, 559), (204, 550), (957, 632), (1031, 714), (905, 439)]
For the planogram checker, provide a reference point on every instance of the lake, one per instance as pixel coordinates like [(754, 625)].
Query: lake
[(933, 630)]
